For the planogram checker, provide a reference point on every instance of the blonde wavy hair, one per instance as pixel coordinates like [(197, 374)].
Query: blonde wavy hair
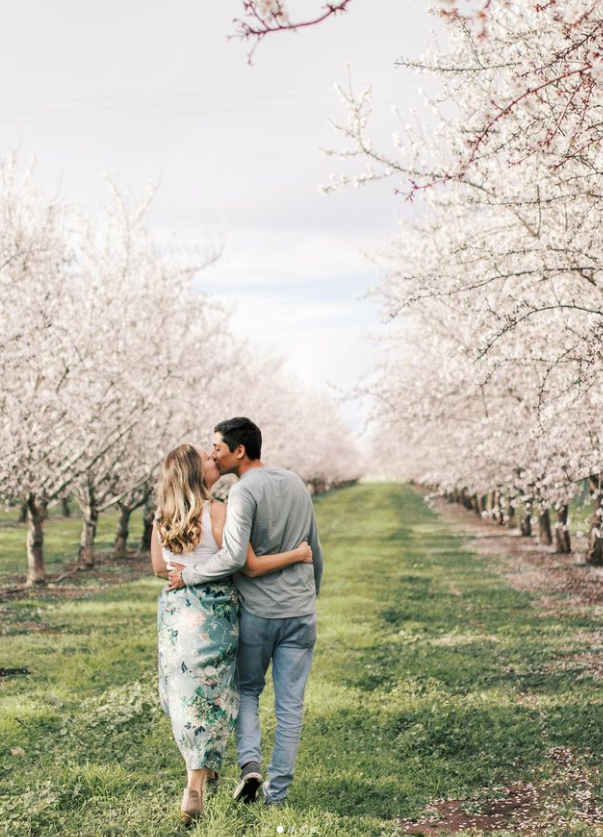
[(181, 494)]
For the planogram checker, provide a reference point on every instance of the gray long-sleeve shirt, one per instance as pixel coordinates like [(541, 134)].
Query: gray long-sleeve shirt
[(271, 508)]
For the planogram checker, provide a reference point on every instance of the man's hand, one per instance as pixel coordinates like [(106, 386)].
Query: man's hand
[(175, 577), (304, 551)]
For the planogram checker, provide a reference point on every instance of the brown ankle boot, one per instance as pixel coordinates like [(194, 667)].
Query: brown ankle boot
[(192, 806)]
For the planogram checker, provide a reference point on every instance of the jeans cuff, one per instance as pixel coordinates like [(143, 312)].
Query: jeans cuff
[(268, 799)]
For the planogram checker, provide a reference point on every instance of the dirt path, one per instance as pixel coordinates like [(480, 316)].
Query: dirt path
[(563, 582), (563, 585)]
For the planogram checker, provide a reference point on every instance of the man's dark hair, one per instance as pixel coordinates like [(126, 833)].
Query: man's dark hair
[(241, 431)]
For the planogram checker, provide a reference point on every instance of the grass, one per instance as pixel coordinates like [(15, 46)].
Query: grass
[(432, 679)]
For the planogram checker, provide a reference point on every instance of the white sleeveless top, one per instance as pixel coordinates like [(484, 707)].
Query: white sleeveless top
[(207, 545)]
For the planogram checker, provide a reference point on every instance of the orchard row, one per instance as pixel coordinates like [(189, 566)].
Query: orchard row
[(109, 357), (491, 376)]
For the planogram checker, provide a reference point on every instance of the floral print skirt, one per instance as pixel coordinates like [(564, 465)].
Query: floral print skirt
[(198, 638)]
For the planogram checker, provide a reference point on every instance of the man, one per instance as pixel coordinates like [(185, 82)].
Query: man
[(271, 508)]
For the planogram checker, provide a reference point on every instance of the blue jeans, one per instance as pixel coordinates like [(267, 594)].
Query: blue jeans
[(289, 643)]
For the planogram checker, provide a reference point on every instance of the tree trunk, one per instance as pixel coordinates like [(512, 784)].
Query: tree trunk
[(123, 527), (89, 523), (511, 516), (65, 506), (481, 505), (36, 573), (544, 528), (594, 551), (43, 508), (491, 504), (148, 516), (562, 535), (22, 513), (526, 520), (495, 508), (475, 505)]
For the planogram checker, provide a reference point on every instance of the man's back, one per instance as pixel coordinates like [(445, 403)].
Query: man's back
[(283, 516)]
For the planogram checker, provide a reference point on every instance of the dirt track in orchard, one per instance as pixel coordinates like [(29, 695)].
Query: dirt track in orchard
[(564, 583)]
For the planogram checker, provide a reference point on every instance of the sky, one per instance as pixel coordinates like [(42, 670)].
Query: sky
[(155, 93)]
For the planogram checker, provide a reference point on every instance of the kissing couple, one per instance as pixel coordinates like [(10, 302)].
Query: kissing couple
[(241, 592)]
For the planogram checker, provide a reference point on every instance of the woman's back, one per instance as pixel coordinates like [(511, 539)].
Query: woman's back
[(207, 545)]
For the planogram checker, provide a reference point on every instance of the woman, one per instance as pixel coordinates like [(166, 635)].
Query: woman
[(198, 626)]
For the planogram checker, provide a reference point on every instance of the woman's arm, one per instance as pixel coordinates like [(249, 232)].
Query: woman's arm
[(255, 566), (159, 566)]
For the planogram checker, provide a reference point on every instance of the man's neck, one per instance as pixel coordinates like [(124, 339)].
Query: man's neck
[(249, 465)]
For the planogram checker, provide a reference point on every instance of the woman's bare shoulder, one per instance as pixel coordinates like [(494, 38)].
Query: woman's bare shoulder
[(217, 510)]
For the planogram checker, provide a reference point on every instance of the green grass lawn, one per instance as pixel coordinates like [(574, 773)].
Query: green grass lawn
[(432, 679)]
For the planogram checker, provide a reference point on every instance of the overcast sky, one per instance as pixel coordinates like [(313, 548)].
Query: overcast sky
[(152, 91)]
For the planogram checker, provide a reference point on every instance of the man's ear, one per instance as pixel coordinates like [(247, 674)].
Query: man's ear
[(240, 451)]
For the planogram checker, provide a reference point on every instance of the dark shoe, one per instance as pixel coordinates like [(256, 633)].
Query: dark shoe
[(251, 778), (192, 806)]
